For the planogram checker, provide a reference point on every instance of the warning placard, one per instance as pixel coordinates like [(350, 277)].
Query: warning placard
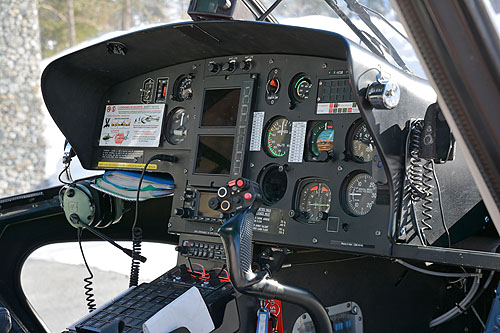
[(132, 125)]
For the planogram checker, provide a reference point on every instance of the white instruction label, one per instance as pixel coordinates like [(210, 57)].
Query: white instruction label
[(132, 125), (257, 128), (297, 141)]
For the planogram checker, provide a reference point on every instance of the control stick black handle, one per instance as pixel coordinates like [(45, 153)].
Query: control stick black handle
[(242, 197), (237, 235)]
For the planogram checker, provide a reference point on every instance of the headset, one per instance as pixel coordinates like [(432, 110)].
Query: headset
[(92, 207)]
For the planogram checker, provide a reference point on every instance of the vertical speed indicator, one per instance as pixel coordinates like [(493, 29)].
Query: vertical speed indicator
[(277, 137)]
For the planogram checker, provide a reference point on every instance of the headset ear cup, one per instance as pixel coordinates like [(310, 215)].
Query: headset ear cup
[(106, 210), (94, 199)]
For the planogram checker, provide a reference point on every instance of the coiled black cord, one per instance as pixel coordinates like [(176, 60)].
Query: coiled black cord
[(415, 170), (135, 266), (136, 251), (89, 291), (428, 188), (414, 174)]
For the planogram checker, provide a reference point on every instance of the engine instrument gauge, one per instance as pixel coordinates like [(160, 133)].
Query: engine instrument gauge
[(320, 138), (314, 201), (183, 88), (360, 142), (177, 126), (358, 194), (277, 140), (300, 87)]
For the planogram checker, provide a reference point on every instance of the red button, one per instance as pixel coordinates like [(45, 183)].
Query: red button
[(231, 182), (273, 83), (164, 93), (240, 183), (247, 196)]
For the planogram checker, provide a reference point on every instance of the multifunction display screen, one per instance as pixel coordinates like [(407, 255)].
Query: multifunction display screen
[(214, 154), (203, 208), (220, 107)]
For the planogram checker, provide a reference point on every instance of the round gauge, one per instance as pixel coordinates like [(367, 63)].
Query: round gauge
[(359, 193), (300, 86), (360, 143), (321, 137), (315, 198), (273, 183), (183, 88), (177, 126), (277, 138)]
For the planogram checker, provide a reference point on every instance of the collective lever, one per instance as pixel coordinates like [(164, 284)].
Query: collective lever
[(242, 198)]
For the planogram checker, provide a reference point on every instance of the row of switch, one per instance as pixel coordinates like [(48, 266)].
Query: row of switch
[(202, 250), (230, 66)]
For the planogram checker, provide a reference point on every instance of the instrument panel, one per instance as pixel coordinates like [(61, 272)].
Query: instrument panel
[(290, 123)]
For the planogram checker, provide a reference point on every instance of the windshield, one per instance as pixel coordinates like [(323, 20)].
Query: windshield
[(318, 15)]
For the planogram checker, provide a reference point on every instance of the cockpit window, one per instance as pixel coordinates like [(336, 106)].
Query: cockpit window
[(317, 14)]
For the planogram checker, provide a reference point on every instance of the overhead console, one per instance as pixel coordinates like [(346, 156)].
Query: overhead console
[(287, 112)]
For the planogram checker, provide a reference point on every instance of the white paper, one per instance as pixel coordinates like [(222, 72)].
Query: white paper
[(132, 125), (188, 310)]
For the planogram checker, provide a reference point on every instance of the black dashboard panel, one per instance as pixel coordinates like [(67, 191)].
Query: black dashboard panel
[(287, 114), (227, 130)]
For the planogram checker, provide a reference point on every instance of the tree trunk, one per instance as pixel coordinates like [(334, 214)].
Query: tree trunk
[(22, 151), (126, 15), (71, 23)]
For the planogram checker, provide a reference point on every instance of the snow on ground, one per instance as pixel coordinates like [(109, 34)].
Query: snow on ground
[(104, 256)]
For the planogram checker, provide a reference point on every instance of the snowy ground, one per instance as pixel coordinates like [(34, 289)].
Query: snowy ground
[(52, 277)]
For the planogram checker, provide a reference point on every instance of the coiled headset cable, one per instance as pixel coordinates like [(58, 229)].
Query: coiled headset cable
[(137, 232), (89, 291)]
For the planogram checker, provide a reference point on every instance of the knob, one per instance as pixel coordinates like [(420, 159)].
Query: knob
[(293, 213), (225, 205), (242, 184), (213, 67), (222, 192), (322, 215), (214, 203), (225, 4), (246, 65), (183, 212), (229, 66)]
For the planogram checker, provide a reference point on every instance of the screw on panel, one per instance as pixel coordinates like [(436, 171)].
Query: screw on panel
[(271, 61), (355, 310), (212, 229), (185, 171), (325, 272), (314, 240), (169, 225), (378, 233), (340, 168), (318, 99), (320, 83), (253, 76), (324, 65), (252, 165), (194, 67), (486, 219)]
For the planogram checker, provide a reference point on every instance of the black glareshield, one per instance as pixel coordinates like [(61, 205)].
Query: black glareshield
[(242, 197)]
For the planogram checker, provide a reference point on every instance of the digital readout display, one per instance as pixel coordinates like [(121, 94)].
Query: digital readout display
[(220, 107), (214, 154)]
